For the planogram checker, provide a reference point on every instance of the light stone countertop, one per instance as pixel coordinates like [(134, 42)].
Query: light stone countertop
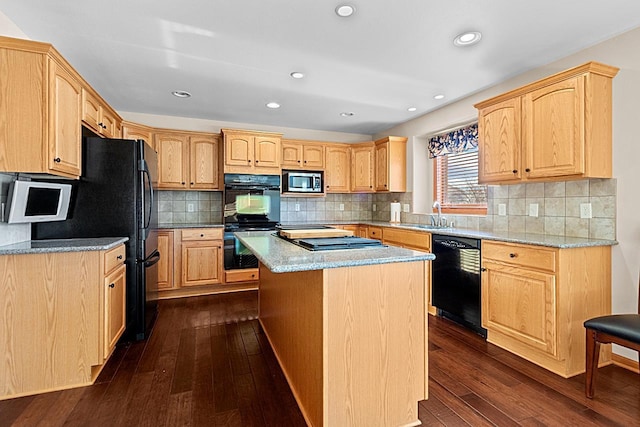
[(62, 245), (561, 242), (281, 256)]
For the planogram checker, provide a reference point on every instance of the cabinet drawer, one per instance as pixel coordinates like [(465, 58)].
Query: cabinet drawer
[(202, 234), (113, 258), (521, 255), (375, 233), (245, 275), (414, 239)]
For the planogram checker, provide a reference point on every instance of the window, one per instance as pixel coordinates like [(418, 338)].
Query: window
[(456, 172), (456, 183)]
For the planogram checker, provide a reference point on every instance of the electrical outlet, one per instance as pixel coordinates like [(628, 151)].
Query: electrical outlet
[(297, 207), (502, 209), (405, 207), (374, 207), (585, 210), (341, 207), (533, 209), (191, 207)]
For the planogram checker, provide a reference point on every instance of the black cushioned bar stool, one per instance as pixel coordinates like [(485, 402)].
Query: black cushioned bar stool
[(621, 329)]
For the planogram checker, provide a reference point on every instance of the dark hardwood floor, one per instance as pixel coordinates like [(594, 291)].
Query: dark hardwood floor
[(208, 364)]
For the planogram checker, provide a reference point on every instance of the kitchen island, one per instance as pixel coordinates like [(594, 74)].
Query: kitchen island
[(348, 327)]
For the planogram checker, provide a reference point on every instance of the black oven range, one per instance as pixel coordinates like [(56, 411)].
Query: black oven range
[(251, 202)]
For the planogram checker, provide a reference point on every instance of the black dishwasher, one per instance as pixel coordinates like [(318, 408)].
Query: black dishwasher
[(455, 283)]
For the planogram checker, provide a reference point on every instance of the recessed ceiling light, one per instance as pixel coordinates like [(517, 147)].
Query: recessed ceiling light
[(347, 114), (345, 10), (467, 39), (297, 75), (181, 93), (438, 96), (411, 109), (273, 105)]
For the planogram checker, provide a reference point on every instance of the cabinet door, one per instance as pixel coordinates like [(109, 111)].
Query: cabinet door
[(109, 124), (165, 265), (173, 160), (238, 150), (91, 111), (313, 156), (291, 155), (362, 168), (554, 138), (382, 167), (337, 169), (64, 124), (132, 131), (201, 263), (267, 152), (499, 148), (115, 308), (204, 168), (520, 303)]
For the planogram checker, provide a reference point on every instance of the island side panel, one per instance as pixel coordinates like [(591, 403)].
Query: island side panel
[(290, 312), (375, 344)]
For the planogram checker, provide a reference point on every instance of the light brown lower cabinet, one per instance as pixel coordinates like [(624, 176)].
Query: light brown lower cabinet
[(61, 318), (535, 300), (192, 263)]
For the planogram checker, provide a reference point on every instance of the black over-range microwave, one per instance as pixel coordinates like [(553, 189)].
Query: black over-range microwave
[(302, 181)]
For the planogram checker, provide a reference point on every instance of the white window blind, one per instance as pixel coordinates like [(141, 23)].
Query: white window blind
[(457, 181)]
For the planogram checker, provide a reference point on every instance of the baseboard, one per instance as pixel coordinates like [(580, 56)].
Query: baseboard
[(625, 363)]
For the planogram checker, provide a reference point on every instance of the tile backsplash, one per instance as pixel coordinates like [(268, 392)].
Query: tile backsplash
[(558, 206), (190, 207)]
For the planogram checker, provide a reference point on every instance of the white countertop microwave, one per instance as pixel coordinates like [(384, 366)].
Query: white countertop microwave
[(31, 201)]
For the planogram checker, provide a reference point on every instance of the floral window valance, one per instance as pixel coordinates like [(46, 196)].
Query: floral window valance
[(457, 141)]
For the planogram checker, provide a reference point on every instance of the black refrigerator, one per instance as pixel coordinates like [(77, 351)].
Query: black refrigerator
[(115, 198)]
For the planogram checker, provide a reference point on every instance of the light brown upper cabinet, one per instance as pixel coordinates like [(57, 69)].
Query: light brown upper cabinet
[(136, 131), (337, 171), (188, 160), (362, 167), (391, 164), (40, 110), (298, 154), (98, 116), (556, 128), (251, 152)]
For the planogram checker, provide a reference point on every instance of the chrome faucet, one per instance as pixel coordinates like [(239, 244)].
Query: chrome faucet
[(440, 221)]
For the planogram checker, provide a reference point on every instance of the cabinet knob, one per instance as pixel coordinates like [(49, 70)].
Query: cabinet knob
[(202, 235), (305, 161), (512, 255), (515, 171), (298, 161), (257, 161), (119, 257), (112, 285), (191, 182), (57, 160), (483, 269), (182, 182), (253, 275), (527, 170), (248, 161)]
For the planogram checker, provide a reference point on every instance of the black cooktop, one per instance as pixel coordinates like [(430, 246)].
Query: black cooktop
[(333, 243)]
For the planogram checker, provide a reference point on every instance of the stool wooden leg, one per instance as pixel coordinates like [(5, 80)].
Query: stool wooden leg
[(592, 356)]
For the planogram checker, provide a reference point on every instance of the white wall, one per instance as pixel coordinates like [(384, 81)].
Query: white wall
[(9, 29), (186, 123), (622, 52)]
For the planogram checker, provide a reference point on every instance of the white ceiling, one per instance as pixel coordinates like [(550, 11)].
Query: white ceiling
[(234, 56)]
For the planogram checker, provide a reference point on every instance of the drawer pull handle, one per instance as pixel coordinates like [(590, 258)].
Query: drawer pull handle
[(112, 285), (119, 257), (513, 255)]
